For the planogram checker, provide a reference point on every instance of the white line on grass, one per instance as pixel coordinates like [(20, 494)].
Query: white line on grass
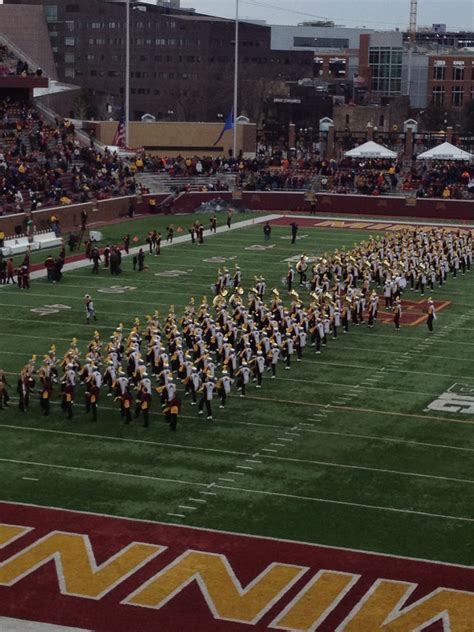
[(371, 469), (345, 503), (105, 472)]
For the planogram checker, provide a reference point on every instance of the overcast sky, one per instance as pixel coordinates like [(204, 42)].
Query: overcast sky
[(457, 14)]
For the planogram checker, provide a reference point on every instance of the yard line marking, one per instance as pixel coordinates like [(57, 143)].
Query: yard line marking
[(176, 515), (27, 478), (391, 439), (106, 472), (331, 501), (372, 469), (279, 445), (197, 500), (186, 507), (125, 440), (236, 473), (228, 480), (252, 461), (365, 410), (268, 450), (209, 493), (283, 439), (244, 467)]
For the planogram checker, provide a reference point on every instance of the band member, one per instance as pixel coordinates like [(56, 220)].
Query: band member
[(68, 399), (431, 314), (290, 277), (243, 378), (301, 268), (45, 394), (397, 314), (24, 386), (4, 398), (90, 310), (223, 387), (207, 390), (171, 412), (258, 364), (92, 399)]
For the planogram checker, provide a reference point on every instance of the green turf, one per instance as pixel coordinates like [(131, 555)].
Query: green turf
[(374, 472)]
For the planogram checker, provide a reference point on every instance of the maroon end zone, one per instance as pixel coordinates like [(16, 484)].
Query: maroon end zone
[(354, 224), (109, 574)]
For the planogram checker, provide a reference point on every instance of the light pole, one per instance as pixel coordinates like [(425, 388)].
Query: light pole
[(236, 77), (127, 72)]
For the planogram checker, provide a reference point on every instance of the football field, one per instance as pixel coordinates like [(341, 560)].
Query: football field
[(367, 446)]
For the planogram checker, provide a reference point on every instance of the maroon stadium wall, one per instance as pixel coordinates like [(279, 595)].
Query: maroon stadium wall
[(286, 202)]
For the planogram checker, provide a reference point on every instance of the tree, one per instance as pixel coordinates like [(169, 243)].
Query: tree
[(84, 106), (254, 94)]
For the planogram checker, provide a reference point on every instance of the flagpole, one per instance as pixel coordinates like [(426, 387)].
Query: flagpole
[(236, 76), (127, 73)]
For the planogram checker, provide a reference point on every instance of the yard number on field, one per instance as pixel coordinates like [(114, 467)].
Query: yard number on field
[(459, 398), (46, 310), (117, 289)]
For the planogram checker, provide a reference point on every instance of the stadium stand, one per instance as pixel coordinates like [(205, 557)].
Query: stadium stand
[(43, 164)]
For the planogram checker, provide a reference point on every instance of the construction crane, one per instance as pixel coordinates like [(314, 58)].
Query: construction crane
[(412, 40)]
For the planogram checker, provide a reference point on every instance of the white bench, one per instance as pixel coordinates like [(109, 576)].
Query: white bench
[(17, 246), (20, 245), (48, 240)]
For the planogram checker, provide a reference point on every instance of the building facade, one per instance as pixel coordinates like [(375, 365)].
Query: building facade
[(182, 63)]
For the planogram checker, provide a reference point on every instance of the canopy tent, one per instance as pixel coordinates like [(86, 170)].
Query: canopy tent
[(370, 150), (445, 151)]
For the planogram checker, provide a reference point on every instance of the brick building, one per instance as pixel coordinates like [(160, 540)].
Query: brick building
[(451, 79), (182, 63)]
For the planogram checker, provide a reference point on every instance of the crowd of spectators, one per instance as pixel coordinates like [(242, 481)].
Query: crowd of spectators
[(448, 180), (43, 164), (443, 179), (11, 65)]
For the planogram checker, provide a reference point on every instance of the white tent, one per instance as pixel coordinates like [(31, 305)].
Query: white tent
[(445, 151), (370, 150)]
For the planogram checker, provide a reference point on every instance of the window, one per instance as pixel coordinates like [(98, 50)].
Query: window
[(70, 25), (51, 13), (438, 95), (69, 58), (70, 41), (90, 57), (69, 72), (319, 42), (386, 66), (439, 72), (458, 71), (457, 96), (96, 25)]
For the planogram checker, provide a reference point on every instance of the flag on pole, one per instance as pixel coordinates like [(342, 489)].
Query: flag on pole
[(229, 124), (119, 138)]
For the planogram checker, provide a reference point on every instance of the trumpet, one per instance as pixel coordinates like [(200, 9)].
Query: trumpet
[(276, 293), (240, 290)]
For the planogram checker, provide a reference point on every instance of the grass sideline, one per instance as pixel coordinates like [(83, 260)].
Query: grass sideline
[(338, 451)]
